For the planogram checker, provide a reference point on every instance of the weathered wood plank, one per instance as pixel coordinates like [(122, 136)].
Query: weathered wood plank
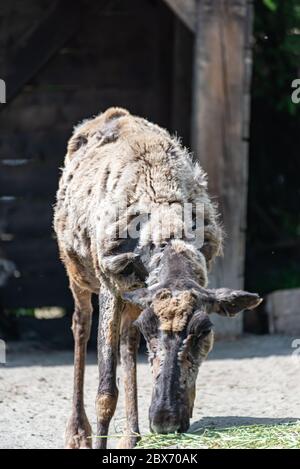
[(41, 146), (248, 62), (220, 87), (17, 17), (41, 109), (34, 178), (88, 60), (72, 67), (33, 255), (50, 290), (182, 81), (185, 10), (25, 218), (68, 17), (36, 49), (36, 126), (41, 279)]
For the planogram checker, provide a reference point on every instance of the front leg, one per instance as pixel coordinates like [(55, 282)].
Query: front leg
[(78, 431), (130, 338), (110, 308)]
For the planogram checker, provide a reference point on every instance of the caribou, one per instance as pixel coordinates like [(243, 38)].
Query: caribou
[(149, 272)]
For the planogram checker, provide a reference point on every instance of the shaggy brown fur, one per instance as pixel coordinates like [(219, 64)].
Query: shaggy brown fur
[(118, 157), (173, 313), (113, 158)]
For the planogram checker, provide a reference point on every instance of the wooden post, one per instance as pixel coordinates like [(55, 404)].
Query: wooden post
[(185, 10), (222, 70), (181, 81)]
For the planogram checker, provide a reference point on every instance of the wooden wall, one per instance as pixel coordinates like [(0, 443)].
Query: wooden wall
[(117, 53), (220, 125)]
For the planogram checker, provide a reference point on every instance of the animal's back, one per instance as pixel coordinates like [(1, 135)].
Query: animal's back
[(116, 159)]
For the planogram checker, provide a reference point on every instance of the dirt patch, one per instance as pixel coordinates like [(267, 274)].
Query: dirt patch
[(251, 380)]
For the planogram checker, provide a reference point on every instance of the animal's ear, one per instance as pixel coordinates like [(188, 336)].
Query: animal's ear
[(228, 302), (117, 263), (147, 323), (139, 297), (126, 264)]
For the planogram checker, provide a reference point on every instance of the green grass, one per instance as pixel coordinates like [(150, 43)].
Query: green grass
[(280, 436)]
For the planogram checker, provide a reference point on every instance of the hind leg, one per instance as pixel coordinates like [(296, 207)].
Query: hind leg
[(78, 431)]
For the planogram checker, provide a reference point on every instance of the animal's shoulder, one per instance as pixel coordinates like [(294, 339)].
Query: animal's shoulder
[(111, 126), (100, 129)]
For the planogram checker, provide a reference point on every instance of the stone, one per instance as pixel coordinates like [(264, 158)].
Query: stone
[(283, 308)]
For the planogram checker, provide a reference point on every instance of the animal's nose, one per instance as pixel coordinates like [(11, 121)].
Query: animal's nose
[(165, 421)]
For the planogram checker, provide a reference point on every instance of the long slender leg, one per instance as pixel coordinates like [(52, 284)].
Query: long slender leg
[(110, 308), (129, 343), (78, 431)]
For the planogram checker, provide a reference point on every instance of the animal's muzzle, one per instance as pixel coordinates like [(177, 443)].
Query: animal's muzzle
[(168, 421)]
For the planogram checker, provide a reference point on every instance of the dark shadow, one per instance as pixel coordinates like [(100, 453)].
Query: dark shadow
[(235, 421), (251, 346), (21, 354), (49, 353)]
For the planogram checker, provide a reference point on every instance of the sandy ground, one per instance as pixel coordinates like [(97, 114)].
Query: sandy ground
[(251, 380)]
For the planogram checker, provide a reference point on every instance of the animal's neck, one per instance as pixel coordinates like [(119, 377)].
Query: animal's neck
[(174, 266), (171, 267)]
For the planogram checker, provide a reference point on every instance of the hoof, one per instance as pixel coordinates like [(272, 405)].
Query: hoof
[(128, 442), (78, 434)]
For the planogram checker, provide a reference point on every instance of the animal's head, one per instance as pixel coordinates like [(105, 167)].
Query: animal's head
[(176, 325)]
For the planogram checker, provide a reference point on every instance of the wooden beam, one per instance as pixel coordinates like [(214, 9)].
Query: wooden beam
[(181, 81), (58, 24), (222, 70), (185, 10)]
